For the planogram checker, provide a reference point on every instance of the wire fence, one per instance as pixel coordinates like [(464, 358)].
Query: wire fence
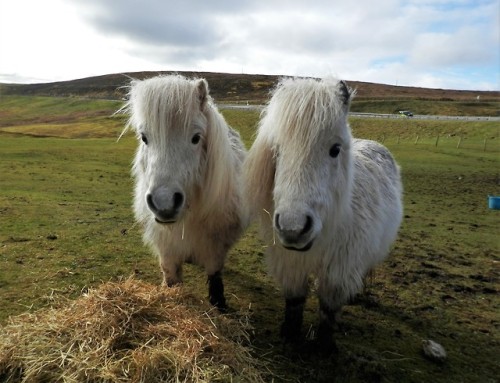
[(448, 142)]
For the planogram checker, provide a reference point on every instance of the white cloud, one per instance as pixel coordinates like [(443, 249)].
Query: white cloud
[(421, 43), (467, 46)]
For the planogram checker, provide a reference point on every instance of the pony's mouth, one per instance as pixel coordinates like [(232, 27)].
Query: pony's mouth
[(166, 222), (307, 247)]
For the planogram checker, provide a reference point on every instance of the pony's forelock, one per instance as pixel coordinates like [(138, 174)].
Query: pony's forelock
[(301, 108), (162, 103)]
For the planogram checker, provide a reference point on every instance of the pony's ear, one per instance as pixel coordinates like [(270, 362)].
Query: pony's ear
[(259, 172), (202, 87), (345, 92)]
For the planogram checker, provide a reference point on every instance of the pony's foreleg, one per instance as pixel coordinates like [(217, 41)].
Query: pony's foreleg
[(330, 306), (216, 291), (295, 288), (213, 267), (172, 270), (328, 317), (294, 314)]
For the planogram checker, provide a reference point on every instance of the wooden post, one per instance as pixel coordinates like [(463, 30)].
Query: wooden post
[(416, 140), (459, 142), (437, 140)]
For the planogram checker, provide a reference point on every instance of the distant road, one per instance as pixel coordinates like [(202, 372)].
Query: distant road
[(241, 106), (378, 115), (425, 117)]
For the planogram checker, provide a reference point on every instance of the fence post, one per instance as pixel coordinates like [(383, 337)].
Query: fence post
[(416, 140), (437, 140), (459, 142)]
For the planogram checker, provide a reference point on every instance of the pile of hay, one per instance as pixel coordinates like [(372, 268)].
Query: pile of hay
[(127, 332)]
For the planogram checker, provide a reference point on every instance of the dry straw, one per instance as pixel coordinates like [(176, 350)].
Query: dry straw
[(129, 331)]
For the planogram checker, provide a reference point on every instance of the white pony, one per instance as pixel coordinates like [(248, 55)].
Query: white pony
[(333, 203), (187, 170)]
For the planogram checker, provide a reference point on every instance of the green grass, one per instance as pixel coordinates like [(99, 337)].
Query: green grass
[(66, 224)]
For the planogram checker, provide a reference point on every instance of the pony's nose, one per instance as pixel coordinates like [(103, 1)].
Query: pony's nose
[(294, 230), (165, 205)]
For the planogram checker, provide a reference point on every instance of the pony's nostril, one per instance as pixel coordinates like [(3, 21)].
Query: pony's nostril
[(178, 200), (149, 200), (277, 222), (308, 225)]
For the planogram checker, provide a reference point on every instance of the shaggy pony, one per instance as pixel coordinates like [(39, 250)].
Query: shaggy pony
[(330, 205), (187, 171)]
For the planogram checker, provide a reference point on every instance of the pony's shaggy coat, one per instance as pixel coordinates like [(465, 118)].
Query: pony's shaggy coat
[(333, 202), (187, 171)]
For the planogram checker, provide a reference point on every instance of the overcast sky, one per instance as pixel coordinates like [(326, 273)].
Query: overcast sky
[(427, 43)]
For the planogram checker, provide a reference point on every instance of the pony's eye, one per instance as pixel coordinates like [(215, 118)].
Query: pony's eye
[(334, 150), (144, 138), (196, 138)]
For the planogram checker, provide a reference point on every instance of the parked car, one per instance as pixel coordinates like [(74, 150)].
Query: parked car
[(406, 113)]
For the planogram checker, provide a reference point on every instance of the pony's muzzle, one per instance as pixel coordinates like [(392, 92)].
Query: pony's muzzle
[(165, 204), (295, 231)]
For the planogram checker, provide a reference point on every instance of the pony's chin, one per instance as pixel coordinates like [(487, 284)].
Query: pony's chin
[(307, 247)]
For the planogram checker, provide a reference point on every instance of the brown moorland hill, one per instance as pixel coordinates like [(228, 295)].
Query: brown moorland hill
[(228, 87)]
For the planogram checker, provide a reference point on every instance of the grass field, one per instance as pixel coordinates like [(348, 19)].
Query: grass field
[(66, 224)]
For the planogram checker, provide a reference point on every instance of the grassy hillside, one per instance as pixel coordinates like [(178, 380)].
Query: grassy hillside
[(225, 87), (66, 224), (43, 116)]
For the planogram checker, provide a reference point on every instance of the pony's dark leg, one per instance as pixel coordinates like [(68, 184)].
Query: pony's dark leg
[(328, 317), (216, 291), (294, 313)]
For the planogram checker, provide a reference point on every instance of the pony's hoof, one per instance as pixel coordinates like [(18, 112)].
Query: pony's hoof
[(325, 340), (290, 334), (327, 347), (219, 303), (223, 308)]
